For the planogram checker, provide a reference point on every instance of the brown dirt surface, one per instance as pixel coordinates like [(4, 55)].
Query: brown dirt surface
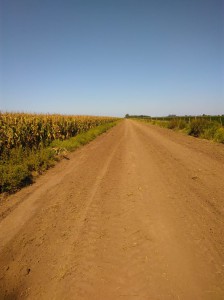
[(135, 214)]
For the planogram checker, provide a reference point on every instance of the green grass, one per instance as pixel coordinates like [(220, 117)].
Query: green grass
[(21, 166), (81, 139), (201, 128)]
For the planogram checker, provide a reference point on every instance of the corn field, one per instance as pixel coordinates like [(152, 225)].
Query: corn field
[(36, 130)]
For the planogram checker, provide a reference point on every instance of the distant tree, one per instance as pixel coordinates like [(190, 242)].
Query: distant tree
[(127, 116)]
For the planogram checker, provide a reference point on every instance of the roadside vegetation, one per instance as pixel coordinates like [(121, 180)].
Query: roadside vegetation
[(31, 144), (206, 127)]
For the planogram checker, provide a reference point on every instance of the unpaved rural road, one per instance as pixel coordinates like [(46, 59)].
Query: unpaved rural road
[(136, 214)]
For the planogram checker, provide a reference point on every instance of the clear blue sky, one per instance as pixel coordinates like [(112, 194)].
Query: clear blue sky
[(154, 57)]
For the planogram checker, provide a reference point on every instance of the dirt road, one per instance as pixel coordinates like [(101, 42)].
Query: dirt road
[(136, 214)]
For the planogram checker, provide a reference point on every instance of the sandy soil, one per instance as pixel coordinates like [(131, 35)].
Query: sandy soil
[(136, 214)]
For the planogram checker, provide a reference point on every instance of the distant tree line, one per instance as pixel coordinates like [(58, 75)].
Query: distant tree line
[(137, 116), (217, 118), (172, 116)]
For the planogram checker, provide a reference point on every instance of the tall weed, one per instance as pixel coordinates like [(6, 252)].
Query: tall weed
[(219, 135)]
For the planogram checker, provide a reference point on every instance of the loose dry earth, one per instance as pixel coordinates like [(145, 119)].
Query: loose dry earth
[(136, 214)]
